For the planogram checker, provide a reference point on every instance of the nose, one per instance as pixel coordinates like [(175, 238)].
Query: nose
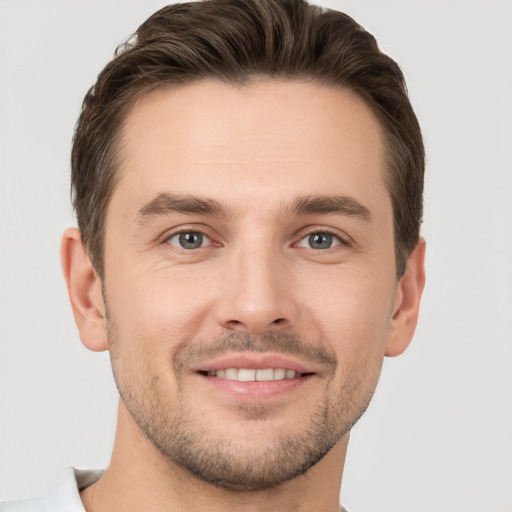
[(257, 293)]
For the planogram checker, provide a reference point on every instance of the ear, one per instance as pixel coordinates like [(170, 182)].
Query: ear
[(407, 302), (84, 288)]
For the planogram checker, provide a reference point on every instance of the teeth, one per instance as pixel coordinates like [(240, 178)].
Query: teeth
[(246, 375), (231, 374), (251, 375), (267, 374), (279, 374)]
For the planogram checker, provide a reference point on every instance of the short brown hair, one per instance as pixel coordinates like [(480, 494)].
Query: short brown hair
[(236, 41)]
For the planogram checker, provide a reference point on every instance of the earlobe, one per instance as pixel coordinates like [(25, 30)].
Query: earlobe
[(407, 302), (84, 288)]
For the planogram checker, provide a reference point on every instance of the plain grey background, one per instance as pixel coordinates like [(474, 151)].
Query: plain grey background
[(438, 434)]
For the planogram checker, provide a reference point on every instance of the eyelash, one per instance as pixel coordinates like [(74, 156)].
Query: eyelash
[(325, 231), (342, 241), (184, 231)]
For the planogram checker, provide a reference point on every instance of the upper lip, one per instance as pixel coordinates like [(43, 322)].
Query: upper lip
[(254, 361)]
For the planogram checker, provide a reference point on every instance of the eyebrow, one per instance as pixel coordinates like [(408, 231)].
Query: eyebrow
[(165, 203), (320, 204)]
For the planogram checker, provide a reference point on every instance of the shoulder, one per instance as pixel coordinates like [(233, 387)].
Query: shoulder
[(64, 496), (40, 504)]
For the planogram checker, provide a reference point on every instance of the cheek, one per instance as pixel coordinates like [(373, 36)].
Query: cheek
[(352, 313), (162, 309), (354, 322)]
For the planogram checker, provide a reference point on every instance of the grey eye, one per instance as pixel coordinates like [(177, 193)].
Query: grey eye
[(189, 240), (319, 240)]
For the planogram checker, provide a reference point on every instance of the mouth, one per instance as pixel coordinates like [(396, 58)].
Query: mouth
[(253, 374)]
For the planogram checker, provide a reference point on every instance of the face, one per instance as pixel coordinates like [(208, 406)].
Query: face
[(249, 275)]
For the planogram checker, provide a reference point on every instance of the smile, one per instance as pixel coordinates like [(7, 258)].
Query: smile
[(253, 375)]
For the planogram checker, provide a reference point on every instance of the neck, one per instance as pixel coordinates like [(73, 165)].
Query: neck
[(139, 477)]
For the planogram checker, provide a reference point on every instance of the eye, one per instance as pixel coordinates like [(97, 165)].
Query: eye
[(189, 240), (320, 240)]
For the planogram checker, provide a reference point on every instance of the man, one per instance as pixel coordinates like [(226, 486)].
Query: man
[(247, 179)]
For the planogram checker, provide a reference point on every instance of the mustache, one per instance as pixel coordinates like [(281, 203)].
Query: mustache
[(193, 352)]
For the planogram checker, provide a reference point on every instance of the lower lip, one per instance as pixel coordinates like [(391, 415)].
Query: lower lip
[(255, 390)]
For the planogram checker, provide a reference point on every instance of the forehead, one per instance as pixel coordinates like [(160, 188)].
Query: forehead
[(285, 138)]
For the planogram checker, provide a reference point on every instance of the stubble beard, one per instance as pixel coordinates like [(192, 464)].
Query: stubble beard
[(183, 437)]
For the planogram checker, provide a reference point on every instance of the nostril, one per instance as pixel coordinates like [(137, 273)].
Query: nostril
[(255, 325), (235, 322)]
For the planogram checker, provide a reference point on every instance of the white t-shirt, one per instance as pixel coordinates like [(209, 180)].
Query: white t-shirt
[(64, 495)]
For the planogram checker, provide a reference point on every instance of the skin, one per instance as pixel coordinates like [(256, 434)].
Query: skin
[(255, 151)]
